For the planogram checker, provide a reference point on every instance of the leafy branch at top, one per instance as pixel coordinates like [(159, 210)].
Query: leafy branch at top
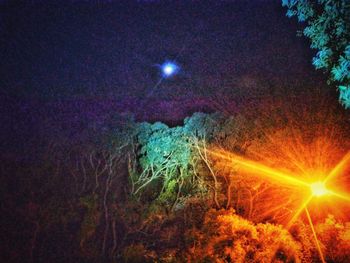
[(328, 28)]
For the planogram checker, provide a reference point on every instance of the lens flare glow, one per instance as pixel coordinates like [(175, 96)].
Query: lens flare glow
[(169, 69), (318, 189), (293, 170)]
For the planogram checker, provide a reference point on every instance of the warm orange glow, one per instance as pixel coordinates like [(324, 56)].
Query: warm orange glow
[(338, 168), (318, 189), (343, 196), (299, 211), (295, 166)]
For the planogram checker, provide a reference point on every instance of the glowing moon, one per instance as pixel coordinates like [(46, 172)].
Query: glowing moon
[(169, 69)]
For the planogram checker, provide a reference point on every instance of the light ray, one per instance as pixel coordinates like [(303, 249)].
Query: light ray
[(257, 167), (298, 212), (315, 235), (340, 195), (338, 168), (271, 210), (316, 189), (291, 156)]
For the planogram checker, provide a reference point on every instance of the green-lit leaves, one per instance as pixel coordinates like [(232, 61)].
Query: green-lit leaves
[(344, 96), (302, 9), (322, 58), (161, 145), (163, 156), (328, 28), (341, 72), (166, 158)]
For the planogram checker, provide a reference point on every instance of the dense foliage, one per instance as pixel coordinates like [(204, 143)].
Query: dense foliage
[(227, 237), (327, 25), (147, 192)]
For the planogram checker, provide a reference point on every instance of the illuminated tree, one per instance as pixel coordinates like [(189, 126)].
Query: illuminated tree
[(328, 28), (226, 237), (166, 160)]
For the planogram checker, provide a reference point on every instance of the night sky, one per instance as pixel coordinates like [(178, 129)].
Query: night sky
[(77, 62), (61, 50), (71, 70)]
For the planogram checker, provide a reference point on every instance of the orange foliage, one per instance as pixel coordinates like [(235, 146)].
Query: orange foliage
[(227, 237), (335, 237)]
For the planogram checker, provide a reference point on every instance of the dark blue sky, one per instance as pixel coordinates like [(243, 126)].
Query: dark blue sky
[(72, 65), (59, 50)]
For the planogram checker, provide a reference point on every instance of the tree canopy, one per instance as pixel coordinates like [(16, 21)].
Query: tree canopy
[(327, 25)]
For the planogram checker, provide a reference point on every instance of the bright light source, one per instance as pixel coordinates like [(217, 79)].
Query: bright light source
[(169, 69), (318, 189)]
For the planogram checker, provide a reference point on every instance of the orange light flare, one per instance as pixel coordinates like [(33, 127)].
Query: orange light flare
[(339, 167), (258, 168), (319, 189), (316, 189), (309, 189), (299, 147)]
